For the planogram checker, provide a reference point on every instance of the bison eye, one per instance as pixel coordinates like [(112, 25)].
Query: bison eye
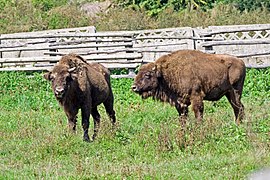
[(147, 75), (52, 78)]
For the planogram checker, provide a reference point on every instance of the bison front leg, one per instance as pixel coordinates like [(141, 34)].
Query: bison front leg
[(85, 122), (197, 106), (72, 123), (182, 110), (72, 118)]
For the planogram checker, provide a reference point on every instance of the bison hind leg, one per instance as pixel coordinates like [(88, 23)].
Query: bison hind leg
[(96, 117), (108, 104), (234, 97), (85, 122)]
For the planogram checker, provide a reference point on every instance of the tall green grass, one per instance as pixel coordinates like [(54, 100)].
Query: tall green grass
[(148, 142)]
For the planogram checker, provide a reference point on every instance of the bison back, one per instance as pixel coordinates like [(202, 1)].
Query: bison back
[(189, 71)]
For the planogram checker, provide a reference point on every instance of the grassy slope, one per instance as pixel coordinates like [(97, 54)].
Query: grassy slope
[(23, 15), (148, 142)]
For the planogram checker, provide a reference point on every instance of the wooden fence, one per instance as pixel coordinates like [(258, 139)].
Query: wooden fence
[(38, 51)]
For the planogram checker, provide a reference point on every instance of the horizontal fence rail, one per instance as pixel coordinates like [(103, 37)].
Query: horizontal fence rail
[(40, 51)]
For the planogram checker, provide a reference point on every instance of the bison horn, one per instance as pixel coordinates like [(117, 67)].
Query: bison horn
[(71, 69)]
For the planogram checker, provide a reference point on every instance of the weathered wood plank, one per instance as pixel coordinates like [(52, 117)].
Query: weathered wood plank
[(212, 30), (91, 41), (236, 42), (180, 38), (56, 59), (158, 44), (253, 54), (19, 44), (24, 68), (33, 48), (64, 35), (111, 51), (164, 37), (250, 64), (49, 67)]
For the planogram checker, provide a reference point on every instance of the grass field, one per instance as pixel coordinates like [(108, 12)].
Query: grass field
[(147, 144)]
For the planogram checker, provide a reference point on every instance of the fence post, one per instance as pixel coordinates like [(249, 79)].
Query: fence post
[(191, 42), (1, 55), (199, 35), (131, 71)]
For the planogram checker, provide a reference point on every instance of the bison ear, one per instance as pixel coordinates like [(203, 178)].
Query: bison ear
[(47, 76), (81, 58), (156, 69)]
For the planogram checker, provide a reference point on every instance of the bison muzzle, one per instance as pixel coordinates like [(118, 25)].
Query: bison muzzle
[(80, 85), (187, 77)]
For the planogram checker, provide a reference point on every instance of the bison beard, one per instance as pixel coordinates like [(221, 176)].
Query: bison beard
[(188, 77), (79, 85)]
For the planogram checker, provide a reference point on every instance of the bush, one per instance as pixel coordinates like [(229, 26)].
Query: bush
[(35, 15), (248, 5), (46, 5)]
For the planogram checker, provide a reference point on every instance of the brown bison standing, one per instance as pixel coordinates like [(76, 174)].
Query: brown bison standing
[(79, 85), (188, 77)]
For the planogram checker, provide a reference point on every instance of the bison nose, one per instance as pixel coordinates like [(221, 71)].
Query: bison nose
[(134, 88), (59, 90)]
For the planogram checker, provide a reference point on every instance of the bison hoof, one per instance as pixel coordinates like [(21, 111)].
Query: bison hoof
[(86, 138)]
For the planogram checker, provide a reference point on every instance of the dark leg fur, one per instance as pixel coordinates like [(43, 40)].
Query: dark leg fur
[(72, 124), (85, 122), (234, 97), (108, 104), (182, 110), (96, 117), (197, 106), (72, 120)]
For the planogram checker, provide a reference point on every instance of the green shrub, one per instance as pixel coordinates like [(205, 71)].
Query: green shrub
[(46, 5), (248, 5)]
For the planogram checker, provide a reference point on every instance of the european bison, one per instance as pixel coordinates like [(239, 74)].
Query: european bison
[(79, 85), (188, 77)]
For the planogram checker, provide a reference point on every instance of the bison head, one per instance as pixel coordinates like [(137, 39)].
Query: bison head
[(147, 80), (61, 78)]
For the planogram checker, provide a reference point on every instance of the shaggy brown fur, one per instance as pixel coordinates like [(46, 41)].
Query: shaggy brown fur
[(80, 85), (188, 77)]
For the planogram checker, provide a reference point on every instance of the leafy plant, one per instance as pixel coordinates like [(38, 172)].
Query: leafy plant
[(191, 4), (248, 5), (47, 5)]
